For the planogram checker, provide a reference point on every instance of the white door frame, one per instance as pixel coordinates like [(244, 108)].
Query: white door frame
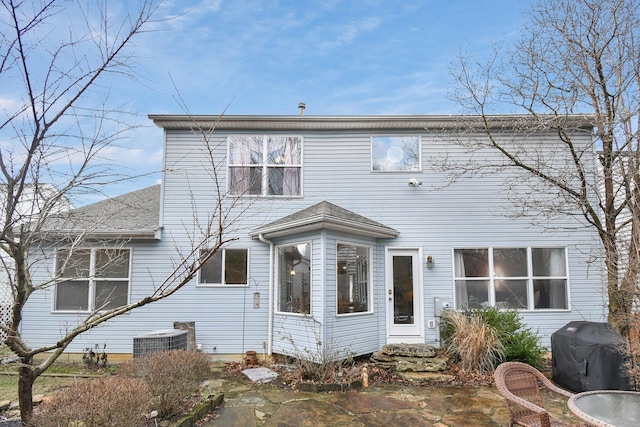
[(400, 332)]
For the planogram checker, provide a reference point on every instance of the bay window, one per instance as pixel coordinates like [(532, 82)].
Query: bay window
[(294, 278), (353, 278), (265, 165), (91, 279), (511, 278)]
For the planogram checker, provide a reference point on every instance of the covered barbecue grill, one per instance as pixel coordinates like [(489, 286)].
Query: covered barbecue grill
[(587, 356)]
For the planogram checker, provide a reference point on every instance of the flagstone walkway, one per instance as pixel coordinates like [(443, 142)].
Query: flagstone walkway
[(249, 405)]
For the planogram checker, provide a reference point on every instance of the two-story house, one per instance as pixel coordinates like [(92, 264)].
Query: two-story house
[(345, 237)]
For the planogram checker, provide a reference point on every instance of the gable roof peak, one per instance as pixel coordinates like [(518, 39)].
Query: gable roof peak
[(324, 215)]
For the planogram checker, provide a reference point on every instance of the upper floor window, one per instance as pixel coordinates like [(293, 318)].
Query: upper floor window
[(265, 165), (396, 153), (225, 267), (91, 279), (511, 278), (354, 284), (294, 278)]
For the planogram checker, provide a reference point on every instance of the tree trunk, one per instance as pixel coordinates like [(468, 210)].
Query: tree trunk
[(26, 378)]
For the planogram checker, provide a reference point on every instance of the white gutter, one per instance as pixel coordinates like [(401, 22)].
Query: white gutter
[(271, 286)]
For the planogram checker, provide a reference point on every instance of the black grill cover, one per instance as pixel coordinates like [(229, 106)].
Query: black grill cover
[(586, 356)]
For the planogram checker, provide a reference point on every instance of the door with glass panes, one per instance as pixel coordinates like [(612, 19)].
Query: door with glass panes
[(405, 318)]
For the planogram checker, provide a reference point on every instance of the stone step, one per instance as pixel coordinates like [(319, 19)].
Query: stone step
[(409, 358), (409, 350), (425, 377)]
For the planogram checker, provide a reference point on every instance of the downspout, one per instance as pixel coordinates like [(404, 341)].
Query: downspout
[(270, 322)]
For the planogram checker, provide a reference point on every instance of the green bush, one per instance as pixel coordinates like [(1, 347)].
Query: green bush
[(104, 402), (519, 342), (170, 376)]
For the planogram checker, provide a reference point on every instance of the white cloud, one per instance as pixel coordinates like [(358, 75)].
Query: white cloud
[(8, 103)]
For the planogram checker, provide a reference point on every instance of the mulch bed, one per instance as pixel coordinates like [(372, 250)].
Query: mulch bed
[(289, 378)]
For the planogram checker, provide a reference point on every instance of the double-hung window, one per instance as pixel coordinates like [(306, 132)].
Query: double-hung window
[(353, 263), (265, 165), (511, 278), (225, 267), (294, 278), (91, 279)]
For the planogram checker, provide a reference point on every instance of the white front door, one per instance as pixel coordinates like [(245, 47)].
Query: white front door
[(405, 319)]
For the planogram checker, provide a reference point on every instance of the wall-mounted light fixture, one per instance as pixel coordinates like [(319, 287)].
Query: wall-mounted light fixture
[(429, 260), (414, 182)]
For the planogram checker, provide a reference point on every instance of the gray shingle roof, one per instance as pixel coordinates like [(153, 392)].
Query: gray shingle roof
[(134, 215), (328, 216)]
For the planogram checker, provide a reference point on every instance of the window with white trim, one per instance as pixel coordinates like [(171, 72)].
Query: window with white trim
[(225, 267), (396, 153), (353, 278), (92, 279), (294, 278), (265, 165), (511, 278)]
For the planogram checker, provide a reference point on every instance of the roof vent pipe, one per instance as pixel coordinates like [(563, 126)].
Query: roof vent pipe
[(301, 107)]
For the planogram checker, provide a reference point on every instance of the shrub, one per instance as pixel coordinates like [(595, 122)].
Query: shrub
[(475, 342), (321, 362), (95, 359), (110, 401), (519, 342), (170, 376)]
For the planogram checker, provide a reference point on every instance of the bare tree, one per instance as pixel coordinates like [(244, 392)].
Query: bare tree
[(55, 58), (574, 56)]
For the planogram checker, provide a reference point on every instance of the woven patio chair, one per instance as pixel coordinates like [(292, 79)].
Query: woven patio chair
[(520, 385)]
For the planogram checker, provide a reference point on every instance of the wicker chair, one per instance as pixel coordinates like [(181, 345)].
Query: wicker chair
[(520, 384)]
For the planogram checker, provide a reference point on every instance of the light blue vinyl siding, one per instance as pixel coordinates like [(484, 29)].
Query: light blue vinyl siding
[(336, 167)]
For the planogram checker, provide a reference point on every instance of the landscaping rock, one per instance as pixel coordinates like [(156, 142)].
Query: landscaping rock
[(409, 350), (409, 358), (260, 375), (420, 364), (379, 356), (424, 377)]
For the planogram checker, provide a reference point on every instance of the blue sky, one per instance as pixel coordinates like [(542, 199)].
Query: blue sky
[(337, 56), (264, 57)]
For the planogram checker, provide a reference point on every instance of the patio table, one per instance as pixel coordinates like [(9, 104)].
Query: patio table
[(607, 408)]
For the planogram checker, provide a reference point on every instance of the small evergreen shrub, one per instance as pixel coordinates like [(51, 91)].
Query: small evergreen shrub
[(170, 376), (110, 401), (519, 342)]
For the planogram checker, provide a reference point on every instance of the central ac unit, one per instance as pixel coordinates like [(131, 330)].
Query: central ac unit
[(163, 340)]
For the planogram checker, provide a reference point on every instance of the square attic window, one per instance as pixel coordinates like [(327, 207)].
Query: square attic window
[(395, 153)]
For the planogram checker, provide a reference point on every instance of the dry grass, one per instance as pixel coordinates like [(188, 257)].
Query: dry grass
[(475, 342)]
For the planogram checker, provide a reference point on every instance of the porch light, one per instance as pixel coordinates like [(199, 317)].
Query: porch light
[(292, 272), (429, 261)]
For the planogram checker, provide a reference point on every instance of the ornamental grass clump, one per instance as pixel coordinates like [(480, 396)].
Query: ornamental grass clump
[(171, 376), (483, 338), (473, 341), (110, 401)]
